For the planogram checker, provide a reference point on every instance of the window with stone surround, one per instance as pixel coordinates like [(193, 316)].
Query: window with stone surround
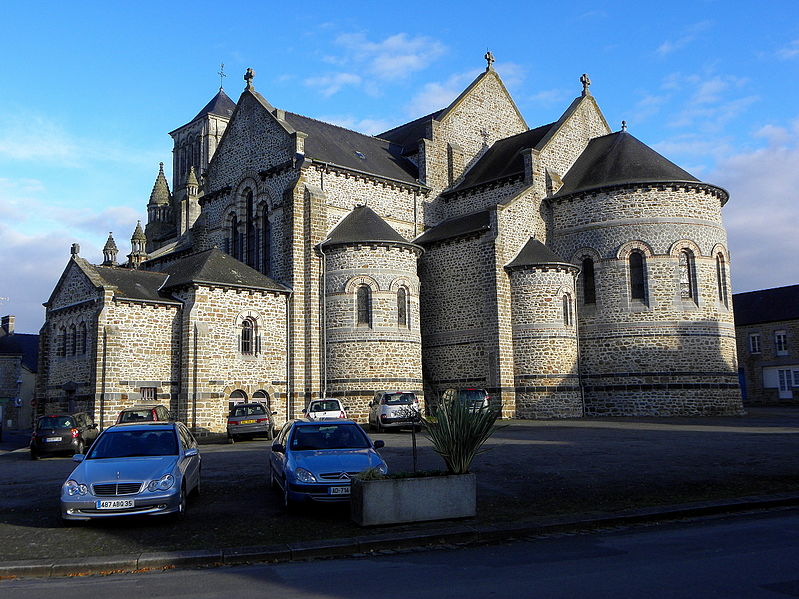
[(83, 339), (248, 338), (687, 275), (235, 238), (61, 343), (721, 279), (148, 393), (252, 245), (568, 318), (266, 244), (72, 347), (754, 343), (637, 266), (402, 308), (589, 282), (363, 303), (781, 343)]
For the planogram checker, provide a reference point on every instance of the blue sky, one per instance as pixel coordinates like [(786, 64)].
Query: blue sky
[(89, 90)]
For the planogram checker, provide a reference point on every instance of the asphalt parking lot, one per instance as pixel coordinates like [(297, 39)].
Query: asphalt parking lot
[(532, 469)]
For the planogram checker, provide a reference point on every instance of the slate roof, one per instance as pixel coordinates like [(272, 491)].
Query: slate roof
[(616, 159), (409, 134), (133, 284), (503, 159), (535, 253), (350, 149), (22, 344), (220, 104), (363, 225), (217, 268), (456, 227), (766, 305)]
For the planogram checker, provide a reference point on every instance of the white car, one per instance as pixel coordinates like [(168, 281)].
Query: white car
[(326, 408), (393, 409)]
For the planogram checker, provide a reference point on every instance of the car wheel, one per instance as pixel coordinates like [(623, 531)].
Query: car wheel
[(34, 455), (271, 434), (182, 508), (81, 447), (231, 439), (288, 504)]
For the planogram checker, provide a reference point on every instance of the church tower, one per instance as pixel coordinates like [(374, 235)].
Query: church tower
[(160, 220), (138, 251)]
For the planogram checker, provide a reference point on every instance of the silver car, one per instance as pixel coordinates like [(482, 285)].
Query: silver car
[(144, 468), (393, 409)]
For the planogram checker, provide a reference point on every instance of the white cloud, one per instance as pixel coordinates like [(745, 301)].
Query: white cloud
[(367, 126), (689, 35), (790, 51), (763, 210), (437, 95), (395, 57), (331, 84)]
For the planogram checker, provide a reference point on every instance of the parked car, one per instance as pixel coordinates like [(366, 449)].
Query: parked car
[(393, 409), (474, 399), (134, 469), (62, 433), (316, 460), (249, 420), (143, 413), (329, 407)]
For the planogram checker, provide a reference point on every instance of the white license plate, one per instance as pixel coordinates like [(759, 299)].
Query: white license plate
[(114, 504), (339, 490), (52, 439)]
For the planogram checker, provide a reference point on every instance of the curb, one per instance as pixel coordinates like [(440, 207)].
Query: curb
[(361, 546)]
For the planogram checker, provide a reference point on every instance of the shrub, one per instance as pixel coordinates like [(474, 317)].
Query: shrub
[(458, 433)]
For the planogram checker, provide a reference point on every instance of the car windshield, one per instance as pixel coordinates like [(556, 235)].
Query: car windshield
[(330, 405), (137, 415), (399, 399), (56, 422), (471, 395), (328, 436), (126, 443), (248, 411)]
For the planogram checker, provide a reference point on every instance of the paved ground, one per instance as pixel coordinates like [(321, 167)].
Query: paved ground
[(588, 468)]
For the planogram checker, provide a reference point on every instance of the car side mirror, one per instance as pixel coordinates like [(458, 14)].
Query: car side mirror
[(278, 448), (380, 444), (78, 457), (190, 453)]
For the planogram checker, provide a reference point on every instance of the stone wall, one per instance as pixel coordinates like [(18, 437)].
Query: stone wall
[(761, 369)]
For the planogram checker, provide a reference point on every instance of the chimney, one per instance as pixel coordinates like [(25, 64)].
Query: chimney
[(7, 325)]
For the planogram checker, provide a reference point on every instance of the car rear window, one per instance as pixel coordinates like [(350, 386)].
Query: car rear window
[(331, 405), (328, 436), (471, 395), (56, 422), (126, 443), (399, 399), (137, 415), (248, 411)]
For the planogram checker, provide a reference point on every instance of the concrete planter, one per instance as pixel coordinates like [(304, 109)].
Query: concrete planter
[(396, 500)]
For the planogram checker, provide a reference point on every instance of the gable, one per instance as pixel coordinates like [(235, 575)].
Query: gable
[(254, 140), (74, 286)]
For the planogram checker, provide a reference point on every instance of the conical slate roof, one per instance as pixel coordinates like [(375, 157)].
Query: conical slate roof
[(160, 192), (110, 244), (220, 104), (191, 178), (535, 253), (618, 159), (363, 225)]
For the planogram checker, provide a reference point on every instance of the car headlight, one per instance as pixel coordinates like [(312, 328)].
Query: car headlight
[(304, 476), (162, 484), (383, 468), (73, 488)]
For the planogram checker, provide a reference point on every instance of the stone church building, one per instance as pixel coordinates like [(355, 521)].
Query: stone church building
[(568, 269)]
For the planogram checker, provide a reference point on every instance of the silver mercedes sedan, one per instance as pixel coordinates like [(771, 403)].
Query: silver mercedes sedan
[(143, 468)]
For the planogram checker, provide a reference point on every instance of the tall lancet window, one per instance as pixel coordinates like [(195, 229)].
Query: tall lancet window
[(637, 265), (402, 307), (687, 275), (364, 306)]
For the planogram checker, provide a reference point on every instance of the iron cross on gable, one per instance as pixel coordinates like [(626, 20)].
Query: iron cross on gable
[(586, 83), (221, 74), (248, 77), (490, 60)]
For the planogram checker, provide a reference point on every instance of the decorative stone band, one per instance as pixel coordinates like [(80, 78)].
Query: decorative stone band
[(347, 171), (548, 389), (713, 190), (645, 387)]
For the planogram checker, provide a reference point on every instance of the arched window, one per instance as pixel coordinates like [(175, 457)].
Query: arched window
[(687, 275), (73, 340), (266, 244), (235, 238), (721, 278), (567, 310), (252, 259), (364, 305), (402, 307), (637, 266), (238, 396), (589, 284), (61, 341), (261, 397), (247, 344), (84, 338)]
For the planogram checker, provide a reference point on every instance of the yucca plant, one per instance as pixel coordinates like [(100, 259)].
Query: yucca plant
[(458, 433)]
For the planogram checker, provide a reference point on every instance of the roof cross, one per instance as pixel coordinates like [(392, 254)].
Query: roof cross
[(489, 59), (248, 77), (221, 74), (586, 84)]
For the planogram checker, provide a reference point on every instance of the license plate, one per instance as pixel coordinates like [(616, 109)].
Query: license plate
[(247, 422), (114, 504), (339, 490), (52, 439)]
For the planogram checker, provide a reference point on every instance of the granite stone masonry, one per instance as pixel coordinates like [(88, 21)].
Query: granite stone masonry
[(567, 269)]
